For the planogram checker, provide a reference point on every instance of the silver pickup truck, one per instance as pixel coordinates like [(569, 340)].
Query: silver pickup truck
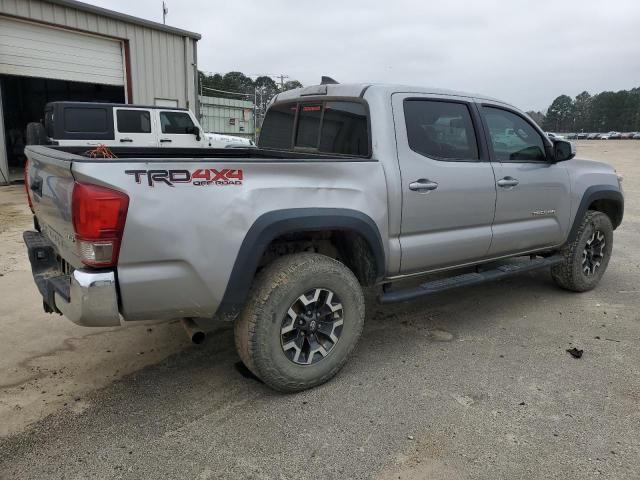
[(352, 186)]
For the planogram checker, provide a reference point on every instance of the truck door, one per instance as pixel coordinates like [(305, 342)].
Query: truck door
[(448, 186), (533, 196), (178, 130), (134, 127)]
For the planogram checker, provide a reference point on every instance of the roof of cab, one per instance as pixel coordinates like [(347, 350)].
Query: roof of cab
[(359, 89)]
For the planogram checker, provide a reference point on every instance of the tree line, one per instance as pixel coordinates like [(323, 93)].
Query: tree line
[(239, 86), (237, 83), (602, 112)]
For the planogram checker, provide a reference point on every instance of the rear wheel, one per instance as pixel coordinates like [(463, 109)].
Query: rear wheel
[(587, 257), (304, 316)]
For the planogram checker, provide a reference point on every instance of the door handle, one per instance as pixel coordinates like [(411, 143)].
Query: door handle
[(165, 140), (508, 182), (126, 140), (423, 185)]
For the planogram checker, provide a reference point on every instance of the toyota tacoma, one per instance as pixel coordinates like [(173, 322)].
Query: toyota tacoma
[(351, 187)]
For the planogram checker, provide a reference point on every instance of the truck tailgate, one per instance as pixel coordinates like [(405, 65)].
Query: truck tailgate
[(85, 296), (50, 185)]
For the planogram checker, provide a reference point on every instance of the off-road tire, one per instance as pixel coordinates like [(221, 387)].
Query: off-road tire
[(569, 274), (258, 327)]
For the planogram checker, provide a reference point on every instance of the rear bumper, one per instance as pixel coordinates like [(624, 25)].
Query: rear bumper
[(93, 299), (85, 297)]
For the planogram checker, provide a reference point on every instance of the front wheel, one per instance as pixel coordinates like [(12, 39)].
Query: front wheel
[(304, 316), (587, 257)]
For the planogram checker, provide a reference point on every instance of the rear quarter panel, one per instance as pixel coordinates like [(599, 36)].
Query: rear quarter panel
[(180, 242)]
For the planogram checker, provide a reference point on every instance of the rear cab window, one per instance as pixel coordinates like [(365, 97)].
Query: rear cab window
[(277, 128), (309, 117), (339, 127)]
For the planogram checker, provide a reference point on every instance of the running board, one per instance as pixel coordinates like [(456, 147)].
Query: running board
[(467, 279)]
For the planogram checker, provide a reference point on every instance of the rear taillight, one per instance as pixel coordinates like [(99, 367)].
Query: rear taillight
[(26, 184), (99, 215)]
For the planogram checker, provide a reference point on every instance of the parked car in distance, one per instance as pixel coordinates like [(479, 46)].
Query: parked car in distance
[(126, 125), (593, 136), (555, 136), (627, 135), (571, 136), (636, 136), (379, 183), (615, 135), (582, 136)]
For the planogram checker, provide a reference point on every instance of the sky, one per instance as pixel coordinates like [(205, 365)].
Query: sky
[(523, 52)]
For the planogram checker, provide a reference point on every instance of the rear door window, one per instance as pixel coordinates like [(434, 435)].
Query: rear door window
[(440, 130), (134, 121)]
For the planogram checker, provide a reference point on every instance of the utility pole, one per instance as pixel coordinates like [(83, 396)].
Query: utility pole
[(255, 114), (165, 10), (282, 77)]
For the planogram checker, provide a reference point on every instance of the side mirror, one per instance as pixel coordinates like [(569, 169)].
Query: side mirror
[(195, 131), (563, 150)]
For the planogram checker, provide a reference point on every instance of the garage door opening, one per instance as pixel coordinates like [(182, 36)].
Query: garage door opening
[(23, 100)]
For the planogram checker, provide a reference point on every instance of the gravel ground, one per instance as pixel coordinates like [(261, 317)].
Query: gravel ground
[(468, 384)]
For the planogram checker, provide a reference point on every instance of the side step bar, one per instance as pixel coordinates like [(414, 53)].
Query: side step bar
[(467, 279)]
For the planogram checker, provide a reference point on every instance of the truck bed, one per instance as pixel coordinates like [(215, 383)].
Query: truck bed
[(174, 154), (191, 210)]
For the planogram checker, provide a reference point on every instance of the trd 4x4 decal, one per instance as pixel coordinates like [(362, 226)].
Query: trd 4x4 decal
[(199, 177)]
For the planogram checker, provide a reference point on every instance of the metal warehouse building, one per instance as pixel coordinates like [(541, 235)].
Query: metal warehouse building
[(68, 50), (227, 116)]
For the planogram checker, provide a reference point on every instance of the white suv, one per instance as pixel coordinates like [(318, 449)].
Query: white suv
[(81, 123)]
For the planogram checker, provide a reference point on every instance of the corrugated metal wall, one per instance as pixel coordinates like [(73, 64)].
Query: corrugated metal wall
[(225, 115), (36, 50), (157, 58)]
